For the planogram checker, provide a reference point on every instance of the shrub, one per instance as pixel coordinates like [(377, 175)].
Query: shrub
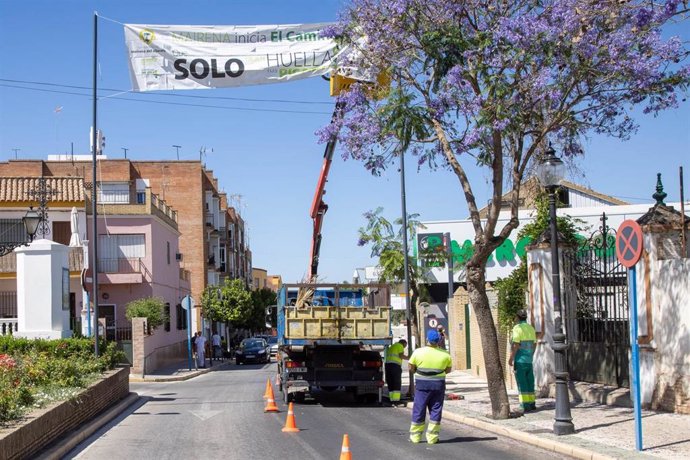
[(35, 372), (151, 308)]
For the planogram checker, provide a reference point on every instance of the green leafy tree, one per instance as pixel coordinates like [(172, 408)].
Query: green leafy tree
[(151, 308), (386, 242), (262, 298), (230, 303), (512, 289)]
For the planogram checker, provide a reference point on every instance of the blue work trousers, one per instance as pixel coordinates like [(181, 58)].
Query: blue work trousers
[(428, 394)]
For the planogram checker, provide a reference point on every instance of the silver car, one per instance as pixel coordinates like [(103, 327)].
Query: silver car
[(273, 343)]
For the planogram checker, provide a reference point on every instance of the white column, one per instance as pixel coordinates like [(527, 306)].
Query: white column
[(540, 315), (43, 290)]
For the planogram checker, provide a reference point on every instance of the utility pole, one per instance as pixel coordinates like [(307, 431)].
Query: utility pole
[(177, 148), (125, 151), (15, 152)]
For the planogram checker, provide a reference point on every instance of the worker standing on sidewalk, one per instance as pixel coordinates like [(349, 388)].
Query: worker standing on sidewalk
[(523, 340), (430, 365), (394, 356)]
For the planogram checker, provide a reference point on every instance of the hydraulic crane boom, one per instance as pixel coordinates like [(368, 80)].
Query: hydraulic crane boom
[(318, 207)]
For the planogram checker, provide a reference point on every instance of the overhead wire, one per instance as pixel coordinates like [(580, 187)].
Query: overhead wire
[(185, 104), (166, 94)]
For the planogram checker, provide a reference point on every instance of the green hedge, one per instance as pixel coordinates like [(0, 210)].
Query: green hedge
[(36, 371)]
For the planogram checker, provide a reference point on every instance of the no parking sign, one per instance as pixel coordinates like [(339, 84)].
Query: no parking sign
[(629, 244)]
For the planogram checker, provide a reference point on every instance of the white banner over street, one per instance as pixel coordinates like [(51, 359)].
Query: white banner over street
[(167, 57)]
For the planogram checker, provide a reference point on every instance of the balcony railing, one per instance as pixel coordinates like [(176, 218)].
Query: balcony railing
[(119, 265), (75, 258), (8, 326)]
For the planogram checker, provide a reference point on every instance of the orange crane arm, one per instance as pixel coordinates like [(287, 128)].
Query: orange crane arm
[(318, 207)]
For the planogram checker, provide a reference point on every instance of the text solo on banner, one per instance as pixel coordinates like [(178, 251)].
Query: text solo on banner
[(173, 57)]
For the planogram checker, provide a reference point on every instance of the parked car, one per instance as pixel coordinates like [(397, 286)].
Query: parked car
[(273, 343), (253, 350)]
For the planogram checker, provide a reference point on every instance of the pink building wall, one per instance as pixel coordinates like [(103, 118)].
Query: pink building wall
[(157, 277)]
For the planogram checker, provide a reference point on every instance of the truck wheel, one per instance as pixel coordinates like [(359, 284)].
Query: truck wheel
[(299, 397)]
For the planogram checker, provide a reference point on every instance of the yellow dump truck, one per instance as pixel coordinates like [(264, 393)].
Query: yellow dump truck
[(331, 337)]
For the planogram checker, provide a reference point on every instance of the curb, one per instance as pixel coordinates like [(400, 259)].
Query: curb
[(180, 378), (546, 444), (81, 433)]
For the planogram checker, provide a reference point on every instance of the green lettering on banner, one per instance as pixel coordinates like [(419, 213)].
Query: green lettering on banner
[(506, 251), (521, 246), (461, 254)]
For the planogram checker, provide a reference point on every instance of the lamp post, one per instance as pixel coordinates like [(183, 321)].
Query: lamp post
[(406, 265), (550, 172)]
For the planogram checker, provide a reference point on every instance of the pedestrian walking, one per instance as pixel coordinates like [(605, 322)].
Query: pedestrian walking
[(430, 365), (442, 340), (215, 343), (523, 340), (194, 347), (200, 350), (394, 356)]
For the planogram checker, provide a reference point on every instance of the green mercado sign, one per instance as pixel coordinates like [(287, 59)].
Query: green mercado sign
[(508, 251)]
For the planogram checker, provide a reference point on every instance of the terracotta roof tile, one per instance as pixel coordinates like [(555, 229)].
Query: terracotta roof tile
[(17, 189)]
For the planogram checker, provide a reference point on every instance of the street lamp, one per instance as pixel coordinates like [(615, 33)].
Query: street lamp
[(31, 220), (550, 172)]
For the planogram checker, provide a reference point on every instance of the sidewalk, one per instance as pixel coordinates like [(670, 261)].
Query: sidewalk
[(599, 429), (177, 372)]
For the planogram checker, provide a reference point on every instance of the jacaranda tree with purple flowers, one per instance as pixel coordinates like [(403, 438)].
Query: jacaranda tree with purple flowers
[(491, 83)]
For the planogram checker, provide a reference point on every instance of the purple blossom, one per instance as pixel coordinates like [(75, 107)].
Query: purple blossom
[(511, 70)]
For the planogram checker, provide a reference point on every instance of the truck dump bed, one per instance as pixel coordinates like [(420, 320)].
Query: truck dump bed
[(350, 323), (336, 314)]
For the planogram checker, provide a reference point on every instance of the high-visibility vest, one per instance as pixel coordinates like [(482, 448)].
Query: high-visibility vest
[(526, 337), (431, 363), (393, 353)]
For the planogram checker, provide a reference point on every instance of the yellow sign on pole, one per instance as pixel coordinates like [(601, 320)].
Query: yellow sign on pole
[(378, 90)]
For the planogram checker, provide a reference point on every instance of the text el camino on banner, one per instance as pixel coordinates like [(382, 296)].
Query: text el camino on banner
[(167, 57)]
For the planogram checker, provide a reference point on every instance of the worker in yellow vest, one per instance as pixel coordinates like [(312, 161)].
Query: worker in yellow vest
[(394, 356), (523, 341), (430, 365)]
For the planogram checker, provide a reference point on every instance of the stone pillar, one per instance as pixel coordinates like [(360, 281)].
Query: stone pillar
[(540, 311), (43, 290), (138, 348)]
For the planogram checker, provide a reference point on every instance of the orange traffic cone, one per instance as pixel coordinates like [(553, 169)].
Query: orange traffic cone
[(345, 453), (269, 389), (290, 426), (270, 402)]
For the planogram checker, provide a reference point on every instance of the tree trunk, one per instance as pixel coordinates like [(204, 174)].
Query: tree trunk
[(476, 285)]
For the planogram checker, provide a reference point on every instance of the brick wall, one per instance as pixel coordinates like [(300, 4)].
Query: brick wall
[(44, 426), (138, 347), (458, 334), (181, 185)]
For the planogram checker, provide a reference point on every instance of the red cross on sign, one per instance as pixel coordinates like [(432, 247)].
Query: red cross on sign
[(629, 243)]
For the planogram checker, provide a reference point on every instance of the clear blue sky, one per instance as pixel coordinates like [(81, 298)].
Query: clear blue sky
[(270, 157)]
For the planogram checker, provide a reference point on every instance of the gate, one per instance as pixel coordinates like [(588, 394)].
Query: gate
[(596, 310)]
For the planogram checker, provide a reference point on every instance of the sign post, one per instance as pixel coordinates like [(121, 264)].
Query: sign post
[(187, 305), (628, 250)]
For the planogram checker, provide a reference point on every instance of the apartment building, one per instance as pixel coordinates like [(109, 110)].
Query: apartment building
[(213, 243), (138, 240)]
